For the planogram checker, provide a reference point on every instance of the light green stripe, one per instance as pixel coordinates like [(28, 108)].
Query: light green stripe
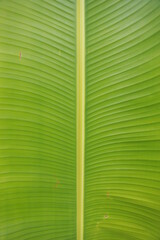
[(80, 115)]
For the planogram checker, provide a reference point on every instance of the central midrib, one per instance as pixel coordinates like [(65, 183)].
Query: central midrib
[(80, 115)]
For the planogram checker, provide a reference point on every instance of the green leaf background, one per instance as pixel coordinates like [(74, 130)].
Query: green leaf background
[(38, 120), (122, 178)]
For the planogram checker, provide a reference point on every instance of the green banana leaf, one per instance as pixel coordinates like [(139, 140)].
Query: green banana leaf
[(38, 120), (122, 178)]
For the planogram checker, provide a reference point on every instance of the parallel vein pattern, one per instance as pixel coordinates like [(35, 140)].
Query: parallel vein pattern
[(122, 165), (37, 120)]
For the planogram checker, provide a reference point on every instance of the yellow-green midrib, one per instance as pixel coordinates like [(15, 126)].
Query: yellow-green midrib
[(80, 117)]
